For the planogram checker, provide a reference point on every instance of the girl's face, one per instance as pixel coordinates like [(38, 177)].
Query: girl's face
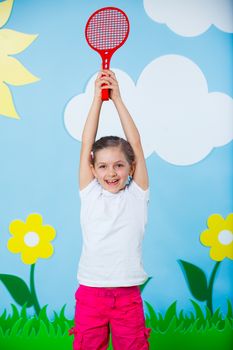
[(111, 169)]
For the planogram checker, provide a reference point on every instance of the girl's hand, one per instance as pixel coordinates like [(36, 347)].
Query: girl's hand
[(98, 89), (109, 78)]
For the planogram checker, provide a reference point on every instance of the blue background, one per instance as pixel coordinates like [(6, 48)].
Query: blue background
[(39, 159)]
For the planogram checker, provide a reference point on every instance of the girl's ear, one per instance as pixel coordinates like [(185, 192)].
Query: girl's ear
[(93, 169), (132, 168)]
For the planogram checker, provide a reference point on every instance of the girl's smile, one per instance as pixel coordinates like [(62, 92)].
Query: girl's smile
[(111, 169)]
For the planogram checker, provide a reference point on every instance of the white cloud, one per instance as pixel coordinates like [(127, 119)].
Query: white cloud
[(176, 115), (191, 17)]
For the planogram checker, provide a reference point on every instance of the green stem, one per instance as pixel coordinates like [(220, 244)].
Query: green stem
[(210, 287), (33, 291)]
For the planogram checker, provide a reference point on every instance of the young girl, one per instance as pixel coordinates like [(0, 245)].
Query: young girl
[(114, 194)]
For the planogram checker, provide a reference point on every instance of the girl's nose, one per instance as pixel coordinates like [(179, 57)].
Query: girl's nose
[(112, 171)]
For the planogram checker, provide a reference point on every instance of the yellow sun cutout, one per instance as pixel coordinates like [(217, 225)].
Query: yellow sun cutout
[(12, 72)]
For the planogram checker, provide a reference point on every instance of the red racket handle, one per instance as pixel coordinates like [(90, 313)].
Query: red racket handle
[(105, 94), (105, 65)]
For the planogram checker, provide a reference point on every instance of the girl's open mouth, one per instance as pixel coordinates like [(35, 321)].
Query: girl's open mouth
[(112, 182)]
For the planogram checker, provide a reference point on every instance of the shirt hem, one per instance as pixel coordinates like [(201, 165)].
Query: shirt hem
[(119, 283)]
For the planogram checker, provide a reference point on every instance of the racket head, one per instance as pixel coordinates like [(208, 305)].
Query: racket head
[(107, 29)]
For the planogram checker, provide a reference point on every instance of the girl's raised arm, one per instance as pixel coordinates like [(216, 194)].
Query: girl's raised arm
[(89, 135), (140, 174)]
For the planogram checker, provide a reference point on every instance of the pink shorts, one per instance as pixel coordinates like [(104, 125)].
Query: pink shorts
[(100, 311)]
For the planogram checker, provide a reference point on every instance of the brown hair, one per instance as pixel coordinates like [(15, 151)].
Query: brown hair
[(113, 141)]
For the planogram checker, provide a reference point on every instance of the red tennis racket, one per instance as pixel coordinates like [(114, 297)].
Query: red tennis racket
[(106, 30)]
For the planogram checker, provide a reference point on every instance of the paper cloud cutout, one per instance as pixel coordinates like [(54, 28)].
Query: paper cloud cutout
[(191, 17), (175, 114)]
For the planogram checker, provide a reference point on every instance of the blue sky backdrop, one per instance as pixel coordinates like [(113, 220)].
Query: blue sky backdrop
[(39, 158)]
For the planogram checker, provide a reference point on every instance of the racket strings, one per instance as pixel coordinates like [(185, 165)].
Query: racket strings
[(107, 29)]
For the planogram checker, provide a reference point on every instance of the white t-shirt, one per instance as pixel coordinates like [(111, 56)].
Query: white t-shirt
[(113, 226)]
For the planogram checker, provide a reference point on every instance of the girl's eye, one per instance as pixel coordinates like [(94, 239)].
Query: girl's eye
[(120, 165), (102, 166)]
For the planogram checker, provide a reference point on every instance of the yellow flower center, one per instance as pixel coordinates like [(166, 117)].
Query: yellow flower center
[(31, 239), (225, 237)]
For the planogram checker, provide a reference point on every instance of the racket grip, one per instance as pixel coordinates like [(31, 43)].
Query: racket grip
[(105, 94)]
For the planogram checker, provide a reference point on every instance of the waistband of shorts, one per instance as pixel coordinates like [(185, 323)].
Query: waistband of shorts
[(106, 291)]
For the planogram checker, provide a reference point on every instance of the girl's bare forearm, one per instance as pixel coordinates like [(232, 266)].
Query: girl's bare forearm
[(128, 125), (92, 122)]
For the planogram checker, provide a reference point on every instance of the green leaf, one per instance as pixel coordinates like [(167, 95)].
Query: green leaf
[(27, 328), (18, 289), (196, 280), (229, 309), (1, 332), (43, 314), (171, 326), (170, 313), (51, 330), (208, 314), (181, 316), (43, 330), (59, 331), (15, 330), (23, 312), (142, 286), (15, 313), (62, 313), (221, 325), (216, 316), (198, 310), (3, 316), (152, 314)]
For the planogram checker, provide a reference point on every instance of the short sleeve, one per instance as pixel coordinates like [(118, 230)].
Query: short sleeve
[(135, 188), (141, 194), (91, 187)]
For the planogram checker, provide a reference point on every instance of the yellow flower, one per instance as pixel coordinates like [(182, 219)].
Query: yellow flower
[(31, 239), (219, 237), (12, 72)]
